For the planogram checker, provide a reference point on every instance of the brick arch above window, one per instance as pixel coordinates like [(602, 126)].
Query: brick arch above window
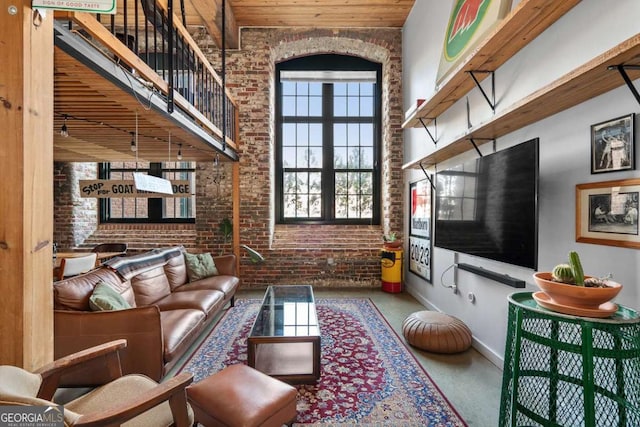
[(334, 45)]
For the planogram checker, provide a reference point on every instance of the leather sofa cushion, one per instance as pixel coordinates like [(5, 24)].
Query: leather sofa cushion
[(226, 265), (226, 284), (207, 301), (176, 271), (74, 293), (150, 286), (179, 328)]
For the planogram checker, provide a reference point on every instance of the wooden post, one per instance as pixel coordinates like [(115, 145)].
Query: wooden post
[(235, 180), (26, 187)]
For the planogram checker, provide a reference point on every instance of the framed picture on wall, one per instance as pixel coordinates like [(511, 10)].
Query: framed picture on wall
[(607, 213), (420, 226), (612, 145), (470, 21)]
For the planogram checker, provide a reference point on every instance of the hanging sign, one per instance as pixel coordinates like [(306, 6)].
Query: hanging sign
[(420, 195), (95, 6), (152, 183), (105, 188), (469, 22)]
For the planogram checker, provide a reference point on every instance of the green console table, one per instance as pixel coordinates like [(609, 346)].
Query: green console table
[(563, 370)]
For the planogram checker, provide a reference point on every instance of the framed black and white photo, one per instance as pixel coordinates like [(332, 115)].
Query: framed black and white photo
[(607, 213), (612, 145), (420, 243)]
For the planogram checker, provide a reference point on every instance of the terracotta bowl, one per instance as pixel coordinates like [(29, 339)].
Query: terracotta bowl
[(576, 296), (393, 245)]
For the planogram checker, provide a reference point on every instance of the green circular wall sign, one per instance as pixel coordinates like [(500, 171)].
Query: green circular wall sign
[(466, 17)]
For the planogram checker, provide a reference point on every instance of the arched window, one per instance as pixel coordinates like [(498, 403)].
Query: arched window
[(328, 140)]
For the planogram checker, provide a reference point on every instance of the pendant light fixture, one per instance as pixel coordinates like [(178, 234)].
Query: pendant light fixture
[(134, 146), (63, 130)]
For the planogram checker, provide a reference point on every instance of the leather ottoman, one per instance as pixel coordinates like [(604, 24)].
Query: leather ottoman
[(436, 332), (240, 396)]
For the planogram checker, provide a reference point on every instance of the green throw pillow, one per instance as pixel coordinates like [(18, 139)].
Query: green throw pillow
[(200, 266), (105, 298)]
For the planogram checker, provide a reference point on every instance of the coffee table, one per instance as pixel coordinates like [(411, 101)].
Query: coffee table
[(284, 341)]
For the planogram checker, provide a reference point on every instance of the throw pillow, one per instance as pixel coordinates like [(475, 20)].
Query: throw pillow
[(200, 266), (105, 298)]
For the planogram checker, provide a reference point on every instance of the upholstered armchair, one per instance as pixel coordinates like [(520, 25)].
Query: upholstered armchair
[(135, 398), (76, 265)]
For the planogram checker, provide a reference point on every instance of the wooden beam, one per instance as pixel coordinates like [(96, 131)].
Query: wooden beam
[(211, 13), (235, 197), (235, 183), (26, 205)]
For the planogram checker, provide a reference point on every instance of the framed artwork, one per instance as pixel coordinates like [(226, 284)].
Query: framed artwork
[(420, 226), (612, 145), (469, 22), (607, 213)]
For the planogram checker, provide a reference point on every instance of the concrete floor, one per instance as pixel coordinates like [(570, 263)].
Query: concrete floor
[(470, 381)]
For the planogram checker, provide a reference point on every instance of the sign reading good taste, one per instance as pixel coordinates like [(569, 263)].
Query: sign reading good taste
[(103, 188)]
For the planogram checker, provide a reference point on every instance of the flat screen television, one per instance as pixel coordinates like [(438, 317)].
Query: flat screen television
[(488, 207)]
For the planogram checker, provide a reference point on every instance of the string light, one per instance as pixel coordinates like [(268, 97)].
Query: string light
[(63, 130), (135, 135), (169, 146), (134, 146), (179, 156)]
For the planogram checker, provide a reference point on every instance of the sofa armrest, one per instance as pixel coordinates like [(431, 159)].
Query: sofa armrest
[(226, 264), (141, 327)]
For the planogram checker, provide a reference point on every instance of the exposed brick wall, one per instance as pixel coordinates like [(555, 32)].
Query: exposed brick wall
[(318, 255), (74, 218), (213, 204), (296, 254)]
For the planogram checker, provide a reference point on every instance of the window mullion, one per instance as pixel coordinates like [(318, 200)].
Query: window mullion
[(154, 205), (328, 174)]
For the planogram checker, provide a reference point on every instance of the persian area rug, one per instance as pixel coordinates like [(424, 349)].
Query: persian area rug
[(368, 375)]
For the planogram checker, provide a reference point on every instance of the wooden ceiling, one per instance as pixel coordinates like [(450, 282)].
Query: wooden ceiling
[(102, 120), (295, 13), (321, 13)]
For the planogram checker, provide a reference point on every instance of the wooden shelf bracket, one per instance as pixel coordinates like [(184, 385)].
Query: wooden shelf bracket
[(492, 101), (622, 69), (435, 125)]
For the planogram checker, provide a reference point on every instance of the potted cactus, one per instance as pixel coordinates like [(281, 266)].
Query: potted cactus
[(567, 285), (391, 241)]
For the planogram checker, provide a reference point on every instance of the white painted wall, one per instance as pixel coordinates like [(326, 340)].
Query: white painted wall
[(589, 29)]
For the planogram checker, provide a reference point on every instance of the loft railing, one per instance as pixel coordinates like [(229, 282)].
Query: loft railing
[(176, 65)]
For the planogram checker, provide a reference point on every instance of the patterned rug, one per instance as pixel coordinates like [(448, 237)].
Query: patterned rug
[(368, 376)]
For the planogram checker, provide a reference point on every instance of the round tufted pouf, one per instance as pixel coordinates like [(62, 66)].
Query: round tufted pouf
[(436, 332)]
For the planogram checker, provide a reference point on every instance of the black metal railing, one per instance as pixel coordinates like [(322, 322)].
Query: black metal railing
[(166, 47)]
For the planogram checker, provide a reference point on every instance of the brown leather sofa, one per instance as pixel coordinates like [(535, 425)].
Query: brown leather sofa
[(167, 313)]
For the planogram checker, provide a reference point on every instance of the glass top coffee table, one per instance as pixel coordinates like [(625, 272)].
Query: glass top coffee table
[(284, 341)]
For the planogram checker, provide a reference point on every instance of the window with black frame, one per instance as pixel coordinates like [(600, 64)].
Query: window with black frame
[(148, 209), (328, 140)]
